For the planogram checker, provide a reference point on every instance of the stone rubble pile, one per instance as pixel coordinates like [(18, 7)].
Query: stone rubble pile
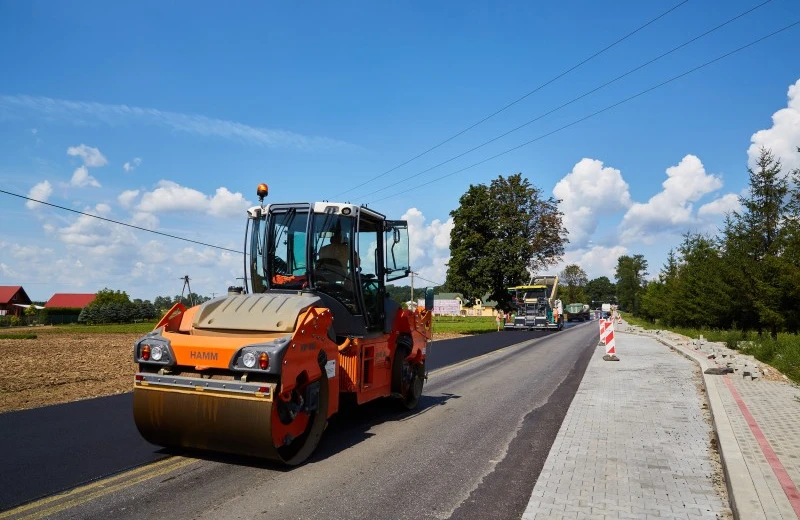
[(742, 365)]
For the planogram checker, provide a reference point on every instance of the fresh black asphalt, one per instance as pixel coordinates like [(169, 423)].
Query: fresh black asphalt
[(56, 448)]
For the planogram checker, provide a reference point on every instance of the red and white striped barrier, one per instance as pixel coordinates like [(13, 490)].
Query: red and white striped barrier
[(611, 345), (603, 327)]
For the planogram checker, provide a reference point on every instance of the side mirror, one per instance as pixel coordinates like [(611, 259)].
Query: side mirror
[(429, 299)]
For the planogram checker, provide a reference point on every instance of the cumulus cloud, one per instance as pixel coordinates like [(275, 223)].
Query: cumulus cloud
[(597, 261), (41, 191), (81, 178), (670, 210), (91, 156), (172, 197), (589, 191), (783, 137), (194, 124), (145, 220), (96, 238), (127, 197), (429, 245), (721, 206), (227, 204), (129, 166)]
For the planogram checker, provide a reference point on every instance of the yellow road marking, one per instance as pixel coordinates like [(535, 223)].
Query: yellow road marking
[(77, 496)]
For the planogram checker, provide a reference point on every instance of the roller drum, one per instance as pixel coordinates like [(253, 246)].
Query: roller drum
[(235, 424)]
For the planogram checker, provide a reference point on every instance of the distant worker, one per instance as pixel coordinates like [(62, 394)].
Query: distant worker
[(500, 318)]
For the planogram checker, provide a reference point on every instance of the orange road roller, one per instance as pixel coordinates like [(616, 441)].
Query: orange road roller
[(259, 371)]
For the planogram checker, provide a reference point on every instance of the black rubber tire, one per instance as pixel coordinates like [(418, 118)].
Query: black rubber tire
[(409, 391)]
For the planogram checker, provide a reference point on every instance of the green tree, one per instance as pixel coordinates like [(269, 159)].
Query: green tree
[(575, 279), (502, 233), (630, 275), (107, 295), (700, 293), (658, 300), (163, 303), (600, 290), (755, 243)]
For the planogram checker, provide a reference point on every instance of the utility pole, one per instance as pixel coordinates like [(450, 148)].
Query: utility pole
[(412, 273), (187, 286)]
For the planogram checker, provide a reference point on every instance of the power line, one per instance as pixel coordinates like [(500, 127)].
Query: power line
[(120, 223), (437, 284), (630, 98), (509, 105), (573, 100)]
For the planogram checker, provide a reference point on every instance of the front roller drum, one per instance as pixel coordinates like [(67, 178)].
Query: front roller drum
[(246, 425)]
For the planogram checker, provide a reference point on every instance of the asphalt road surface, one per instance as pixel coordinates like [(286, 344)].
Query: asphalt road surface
[(473, 449)]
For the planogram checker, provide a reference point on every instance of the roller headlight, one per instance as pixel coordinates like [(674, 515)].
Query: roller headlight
[(249, 359), (157, 352)]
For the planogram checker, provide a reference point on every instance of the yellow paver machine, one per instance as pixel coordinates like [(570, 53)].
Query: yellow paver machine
[(259, 372)]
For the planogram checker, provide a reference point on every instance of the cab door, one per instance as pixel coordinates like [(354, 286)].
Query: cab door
[(397, 251)]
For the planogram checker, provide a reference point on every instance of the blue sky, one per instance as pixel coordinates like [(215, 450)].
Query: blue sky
[(167, 116)]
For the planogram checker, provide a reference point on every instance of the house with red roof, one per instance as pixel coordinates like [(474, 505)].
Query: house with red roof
[(72, 301), (13, 300)]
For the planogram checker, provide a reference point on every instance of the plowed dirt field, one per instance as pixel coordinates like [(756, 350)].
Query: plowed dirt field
[(60, 368)]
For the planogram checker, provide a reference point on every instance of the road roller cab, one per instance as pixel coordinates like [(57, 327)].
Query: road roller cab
[(258, 372)]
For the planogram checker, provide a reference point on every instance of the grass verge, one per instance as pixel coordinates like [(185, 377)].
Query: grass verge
[(464, 325), (109, 328), (782, 353)]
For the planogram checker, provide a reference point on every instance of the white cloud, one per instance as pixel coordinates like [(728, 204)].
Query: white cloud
[(429, 246), (227, 204), (671, 209), (589, 191), (91, 156), (132, 165), (721, 206), (597, 261), (28, 253), (41, 191), (127, 197), (113, 115), (145, 220), (81, 178), (172, 197), (783, 137)]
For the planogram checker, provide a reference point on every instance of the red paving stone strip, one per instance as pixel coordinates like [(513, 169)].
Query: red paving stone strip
[(783, 477)]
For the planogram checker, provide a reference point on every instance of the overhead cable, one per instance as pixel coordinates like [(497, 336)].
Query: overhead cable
[(120, 223), (573, 100), (509, 105), (593, 114)]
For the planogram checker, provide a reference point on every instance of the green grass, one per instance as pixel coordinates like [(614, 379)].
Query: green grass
[(465, 325), (782, 353), (17, 336), (109, 328)]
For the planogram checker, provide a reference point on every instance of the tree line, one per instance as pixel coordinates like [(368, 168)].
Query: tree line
[(115, 306), (745, 277)]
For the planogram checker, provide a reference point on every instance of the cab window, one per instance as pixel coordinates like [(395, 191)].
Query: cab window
[(286, 254)]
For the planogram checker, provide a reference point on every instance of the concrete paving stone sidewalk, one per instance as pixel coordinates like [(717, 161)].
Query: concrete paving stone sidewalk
[(758, 425), (635, 443)]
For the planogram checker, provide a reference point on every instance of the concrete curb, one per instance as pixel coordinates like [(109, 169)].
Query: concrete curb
[(742, 495)]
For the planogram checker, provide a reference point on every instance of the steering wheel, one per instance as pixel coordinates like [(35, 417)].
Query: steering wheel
[(281, 267)]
